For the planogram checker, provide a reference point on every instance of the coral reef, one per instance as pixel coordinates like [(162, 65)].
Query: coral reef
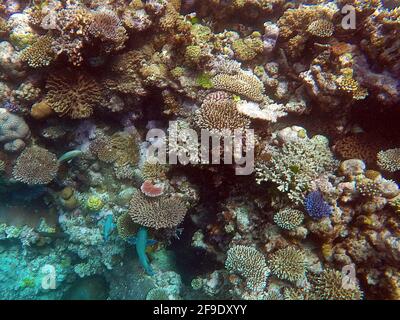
[(105, 175)]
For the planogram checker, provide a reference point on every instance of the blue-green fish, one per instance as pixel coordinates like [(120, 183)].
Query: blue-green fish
[(141, 242)]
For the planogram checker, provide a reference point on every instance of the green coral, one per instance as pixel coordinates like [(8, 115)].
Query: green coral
[(22, 40), (193, 54), (247, 49), (204, 80), (28, 283)]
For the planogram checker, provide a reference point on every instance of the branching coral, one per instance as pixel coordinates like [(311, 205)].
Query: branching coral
[(328, 285), (218, 114), (296, 165), (316, 206), (157, 213), (35, 165), (250, 264), (73, 95), (40, 53), (288, 218), (288, 264), (296, 25), (389, 160)]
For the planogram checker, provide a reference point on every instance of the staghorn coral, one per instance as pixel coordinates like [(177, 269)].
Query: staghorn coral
[(288, 264), (40, 53), (389, 160), (294, 166), (73, 95), (297, 24), (244, 84), (288, 218), (35, 165), (328, 286), (157, 213), (250, 264)]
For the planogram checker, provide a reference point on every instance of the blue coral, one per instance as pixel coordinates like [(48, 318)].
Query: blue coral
[(316, 206)]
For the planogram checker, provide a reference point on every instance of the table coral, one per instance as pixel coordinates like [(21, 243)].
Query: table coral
[(35, 165)]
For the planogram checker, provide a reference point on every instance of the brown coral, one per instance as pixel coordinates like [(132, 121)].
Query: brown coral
[(157, 213), (73, 95), (328, 286), (35, 165), (121, 149), (107, 27), (244, 84), (321, 28), (125, 226), (219, 115), (40, 53), (288, 264), (359, 146)]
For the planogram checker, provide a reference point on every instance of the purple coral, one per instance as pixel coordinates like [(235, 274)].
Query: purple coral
[(11, 107), (316, 206)]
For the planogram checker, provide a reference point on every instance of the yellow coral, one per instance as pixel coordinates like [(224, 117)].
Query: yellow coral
[(94, 203), (40, 53)]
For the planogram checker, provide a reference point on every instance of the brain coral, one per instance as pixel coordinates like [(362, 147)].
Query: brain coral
[(250, 264), (288, 264), (218, 113), (389, 160), (244, 84), (288, 218), (12, 127), (328, 286), (359, 146), (296, 165), (157, 213), (73, 94), (35, 165)]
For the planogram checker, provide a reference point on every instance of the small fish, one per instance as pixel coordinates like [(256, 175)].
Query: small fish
[(68, 156)]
